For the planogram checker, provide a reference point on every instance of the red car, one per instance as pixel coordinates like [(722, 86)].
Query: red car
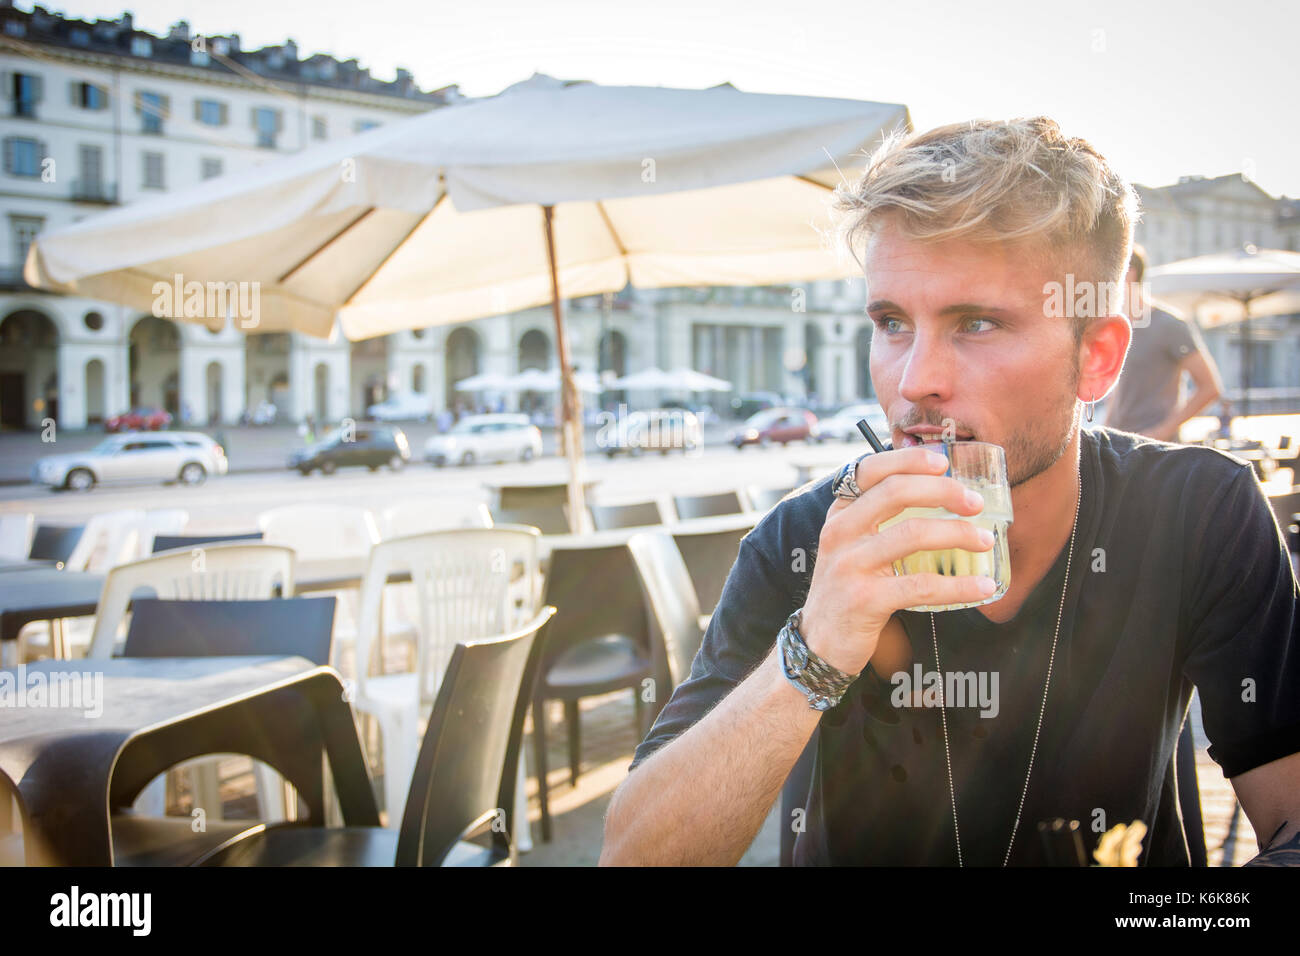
[(782, 424), (139, 420)]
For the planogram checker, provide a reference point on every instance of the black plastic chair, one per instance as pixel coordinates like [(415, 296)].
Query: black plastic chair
[(598, 643), (51, 542), (169, 542), (548, 519), (464, 779), (164, 628), (639, 515), (674, 612), (706, 506), (709, 556), (168, 628)]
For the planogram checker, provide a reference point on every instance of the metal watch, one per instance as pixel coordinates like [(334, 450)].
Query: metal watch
[(823, 684), (845, 484)]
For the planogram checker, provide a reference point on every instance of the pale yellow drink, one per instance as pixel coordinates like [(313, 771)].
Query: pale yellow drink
[(996, 563)]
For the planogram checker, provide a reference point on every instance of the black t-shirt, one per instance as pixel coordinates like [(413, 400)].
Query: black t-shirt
[(1179, 576)]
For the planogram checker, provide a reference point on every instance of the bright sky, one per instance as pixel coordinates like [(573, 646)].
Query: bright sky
[(1163, 88)]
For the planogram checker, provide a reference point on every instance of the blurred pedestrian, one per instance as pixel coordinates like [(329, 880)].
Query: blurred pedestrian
[(1146, 400), (1225, 419)]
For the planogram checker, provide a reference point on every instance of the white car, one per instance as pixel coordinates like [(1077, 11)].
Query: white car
[(402, 407), (187, 457), (843, 425), (480, 438)]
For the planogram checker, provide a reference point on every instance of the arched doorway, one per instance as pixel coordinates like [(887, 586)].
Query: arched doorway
[(216, 413), (417, 380), (461, 355), (29, 369), (155, 364), (534, 352), (95, 396), (322, 381), (862, 362), (266, 363), (369, 358), (812, 345)]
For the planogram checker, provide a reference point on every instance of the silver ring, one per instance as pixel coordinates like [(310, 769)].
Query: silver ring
[(845, 484)]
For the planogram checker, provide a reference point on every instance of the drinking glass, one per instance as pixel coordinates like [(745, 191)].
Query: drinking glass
[(982, 467)]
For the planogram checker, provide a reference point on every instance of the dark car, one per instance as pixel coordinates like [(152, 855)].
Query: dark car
[(139, 420), (371, 446), (781, 425)]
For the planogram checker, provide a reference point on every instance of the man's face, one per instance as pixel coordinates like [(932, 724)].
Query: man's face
[(962, 336)]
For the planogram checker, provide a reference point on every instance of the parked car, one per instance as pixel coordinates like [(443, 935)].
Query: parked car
[(402, 407), (782, 424), (843, 425), (187, 457), (746, 406), (479, 438), (371, 446), (660, 429), (139, 420), (700, 410)]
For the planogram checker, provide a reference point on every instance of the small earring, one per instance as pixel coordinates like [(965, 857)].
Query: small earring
[(1091, 405)]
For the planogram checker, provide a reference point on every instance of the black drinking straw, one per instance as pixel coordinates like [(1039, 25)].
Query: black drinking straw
[(870, 436)]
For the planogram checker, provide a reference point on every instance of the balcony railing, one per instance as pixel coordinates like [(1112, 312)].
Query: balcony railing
[(94, 190)]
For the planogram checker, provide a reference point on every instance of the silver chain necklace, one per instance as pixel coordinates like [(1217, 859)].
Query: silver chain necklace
[(943, 714)]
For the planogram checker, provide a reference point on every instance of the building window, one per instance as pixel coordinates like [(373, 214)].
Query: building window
[(266, 123), (319, 129), (24, 230), (93, 321), (360, 126), (91, 183), (23, 156), (88, 96), (26, 92), (153, 171), (211, 112), (199, 58), (15, 28), (153, 108), (141, 46), (79, 37), (210, 168)]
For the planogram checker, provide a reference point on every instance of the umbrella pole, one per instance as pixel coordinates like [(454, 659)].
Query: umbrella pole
[(570, 399)]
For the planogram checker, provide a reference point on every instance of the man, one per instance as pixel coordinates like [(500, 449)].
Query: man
[(1138, 568), (1146, 400)]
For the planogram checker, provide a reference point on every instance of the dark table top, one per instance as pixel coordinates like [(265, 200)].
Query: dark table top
[(44, 594), (27, 565), (101, 730)]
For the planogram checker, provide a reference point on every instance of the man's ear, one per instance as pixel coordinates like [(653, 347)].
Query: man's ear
[(1101, 357)]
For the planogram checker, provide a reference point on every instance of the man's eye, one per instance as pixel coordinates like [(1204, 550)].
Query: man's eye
[(884, 324), (990, 324)]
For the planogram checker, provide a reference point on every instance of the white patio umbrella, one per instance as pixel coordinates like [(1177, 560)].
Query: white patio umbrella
[(648, 379), (490, 206), (690, 380), (550, 380), (1234, 286), (483, 382)]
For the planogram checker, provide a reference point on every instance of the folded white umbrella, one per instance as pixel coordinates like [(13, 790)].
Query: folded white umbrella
[(649, 379), (549, 190), (536, 380)]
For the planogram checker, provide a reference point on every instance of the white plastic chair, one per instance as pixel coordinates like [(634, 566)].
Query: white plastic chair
[(421, 515), (16, 536), (216, 572), (108, 540), (470, 584), (156, 522), (321, 533)]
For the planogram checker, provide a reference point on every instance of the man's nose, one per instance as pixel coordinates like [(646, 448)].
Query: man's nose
[(929, 371)]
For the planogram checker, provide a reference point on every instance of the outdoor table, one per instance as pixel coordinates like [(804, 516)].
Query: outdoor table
[(337, 574), (613, 536), (71, 768), (29, 564), (44, 594)]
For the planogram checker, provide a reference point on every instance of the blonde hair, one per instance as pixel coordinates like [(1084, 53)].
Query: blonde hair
[(1018, 181)]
